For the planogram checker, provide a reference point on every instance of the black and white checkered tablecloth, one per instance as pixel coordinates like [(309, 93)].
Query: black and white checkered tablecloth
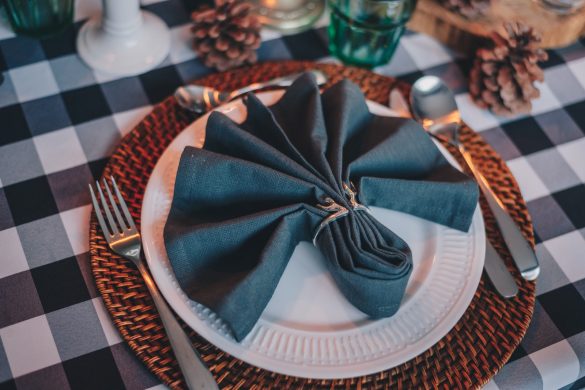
[(59, 122)]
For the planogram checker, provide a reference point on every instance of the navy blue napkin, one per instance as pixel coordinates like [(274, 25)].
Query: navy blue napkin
[(255, 190)]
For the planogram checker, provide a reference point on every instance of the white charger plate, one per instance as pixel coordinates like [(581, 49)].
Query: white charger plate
[(308, 328)]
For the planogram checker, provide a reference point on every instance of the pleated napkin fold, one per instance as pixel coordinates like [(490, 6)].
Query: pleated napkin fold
[(305, 169)]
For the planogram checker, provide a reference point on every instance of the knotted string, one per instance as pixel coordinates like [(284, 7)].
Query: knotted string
[(338, 211)]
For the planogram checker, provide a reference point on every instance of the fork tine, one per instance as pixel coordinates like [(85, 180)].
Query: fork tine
[(113, 225), (115, 207), (123, 205), (98, 213)]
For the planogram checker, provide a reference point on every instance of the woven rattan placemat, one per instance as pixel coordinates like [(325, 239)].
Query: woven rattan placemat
[(467, 357)]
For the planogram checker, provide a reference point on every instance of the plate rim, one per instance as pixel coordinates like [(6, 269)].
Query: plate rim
[(242, 352)]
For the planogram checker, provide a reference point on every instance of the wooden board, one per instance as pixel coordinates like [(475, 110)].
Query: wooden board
[(465, 35)]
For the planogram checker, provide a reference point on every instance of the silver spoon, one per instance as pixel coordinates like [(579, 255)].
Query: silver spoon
[(434, 106), (201, 99)]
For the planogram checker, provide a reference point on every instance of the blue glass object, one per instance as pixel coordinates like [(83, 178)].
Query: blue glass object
[(39, 18), (366, 32)]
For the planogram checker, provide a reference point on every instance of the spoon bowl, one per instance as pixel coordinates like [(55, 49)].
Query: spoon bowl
[(199, 99), (434, 106)]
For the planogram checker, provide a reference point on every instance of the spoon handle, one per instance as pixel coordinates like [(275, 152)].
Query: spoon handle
[(283, 81), (520, 249)]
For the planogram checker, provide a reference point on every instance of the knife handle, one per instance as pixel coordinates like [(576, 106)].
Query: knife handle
[(519, 247)]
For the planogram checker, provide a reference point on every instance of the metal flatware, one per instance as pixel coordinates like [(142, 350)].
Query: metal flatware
[(494, 266), (434, 106), (124, 239), (201, 99), (498, 273)]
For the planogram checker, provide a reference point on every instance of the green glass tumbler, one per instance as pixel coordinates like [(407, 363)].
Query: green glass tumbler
[(39, 18), (366, 32)]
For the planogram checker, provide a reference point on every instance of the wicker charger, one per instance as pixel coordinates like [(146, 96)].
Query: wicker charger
[(467, 357)]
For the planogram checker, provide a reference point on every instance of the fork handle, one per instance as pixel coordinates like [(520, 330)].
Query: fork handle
[(196, 374)]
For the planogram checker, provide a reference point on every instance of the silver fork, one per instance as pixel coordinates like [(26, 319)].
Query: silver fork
[(124, 239)]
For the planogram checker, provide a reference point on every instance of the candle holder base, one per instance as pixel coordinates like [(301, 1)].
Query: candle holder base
[(124, 54)]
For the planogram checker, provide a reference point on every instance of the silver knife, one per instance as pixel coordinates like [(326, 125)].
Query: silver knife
[(519, 248), (497, 272)]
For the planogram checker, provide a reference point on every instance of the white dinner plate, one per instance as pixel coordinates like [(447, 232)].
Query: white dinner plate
[(308, 328)]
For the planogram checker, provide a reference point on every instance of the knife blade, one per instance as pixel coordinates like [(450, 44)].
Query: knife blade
[(498, 273), (519, 247)]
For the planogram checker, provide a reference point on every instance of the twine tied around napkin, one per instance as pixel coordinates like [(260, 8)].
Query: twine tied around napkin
[(256, 189), (337, 211)]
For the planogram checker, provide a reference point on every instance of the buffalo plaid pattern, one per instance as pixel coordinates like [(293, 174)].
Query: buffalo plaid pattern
[(59, 122)]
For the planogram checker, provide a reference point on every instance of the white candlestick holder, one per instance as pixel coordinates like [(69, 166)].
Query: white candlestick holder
[(125, 41)]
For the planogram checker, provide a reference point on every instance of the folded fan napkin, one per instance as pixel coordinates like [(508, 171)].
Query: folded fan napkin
[(246, 199)]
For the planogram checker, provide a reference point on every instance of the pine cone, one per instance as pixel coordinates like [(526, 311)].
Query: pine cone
[(226, 36), (470, 9), (503, 75)]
